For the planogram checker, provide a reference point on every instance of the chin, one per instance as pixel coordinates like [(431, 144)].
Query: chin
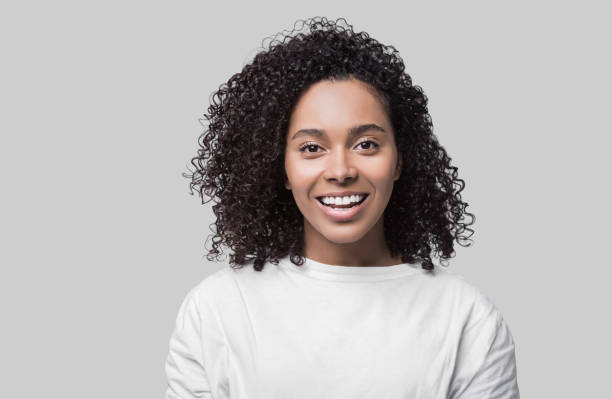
[(342, 234)]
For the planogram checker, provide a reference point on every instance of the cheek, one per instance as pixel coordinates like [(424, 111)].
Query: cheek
[(381, 173), (301, 173), (292, 168)]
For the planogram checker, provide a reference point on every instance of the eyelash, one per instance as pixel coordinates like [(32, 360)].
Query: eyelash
[(306, 145)]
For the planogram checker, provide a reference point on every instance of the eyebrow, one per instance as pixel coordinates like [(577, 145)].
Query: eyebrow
[(354, 131)]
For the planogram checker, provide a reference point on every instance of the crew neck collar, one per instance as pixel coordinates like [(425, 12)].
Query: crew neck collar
[(324, 271)]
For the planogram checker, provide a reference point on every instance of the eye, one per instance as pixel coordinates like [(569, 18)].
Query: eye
[(368, 147), (309, 146)]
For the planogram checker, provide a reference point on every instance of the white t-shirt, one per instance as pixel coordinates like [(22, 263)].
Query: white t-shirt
[(342, 332)]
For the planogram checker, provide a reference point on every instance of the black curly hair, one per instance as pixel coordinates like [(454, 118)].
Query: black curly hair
[(240, 164)]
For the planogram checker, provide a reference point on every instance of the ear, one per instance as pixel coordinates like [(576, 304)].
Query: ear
[(398, 168), (287, 185)]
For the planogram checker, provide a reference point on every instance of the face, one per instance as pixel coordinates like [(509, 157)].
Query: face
[(340, 139)]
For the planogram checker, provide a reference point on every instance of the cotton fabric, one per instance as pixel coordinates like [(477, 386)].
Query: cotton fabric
[(330, 331)]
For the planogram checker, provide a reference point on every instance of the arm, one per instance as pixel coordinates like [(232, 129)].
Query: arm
[(184, 367), (486, 363)]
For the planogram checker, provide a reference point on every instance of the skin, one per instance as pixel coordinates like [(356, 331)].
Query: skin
[(336, 161)]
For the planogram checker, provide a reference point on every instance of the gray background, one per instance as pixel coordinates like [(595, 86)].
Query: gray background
[(101, 239)]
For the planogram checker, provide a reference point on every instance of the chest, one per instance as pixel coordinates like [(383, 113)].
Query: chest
[(354, 344)]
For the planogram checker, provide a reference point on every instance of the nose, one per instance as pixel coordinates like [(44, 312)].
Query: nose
[(339, 167)]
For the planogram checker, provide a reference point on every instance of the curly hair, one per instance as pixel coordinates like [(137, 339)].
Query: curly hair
[(240, 162)]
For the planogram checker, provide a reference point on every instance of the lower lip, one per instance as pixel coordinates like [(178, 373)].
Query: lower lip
[(343, 214)]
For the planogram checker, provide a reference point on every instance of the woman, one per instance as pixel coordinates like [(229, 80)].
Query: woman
[(332, 192)]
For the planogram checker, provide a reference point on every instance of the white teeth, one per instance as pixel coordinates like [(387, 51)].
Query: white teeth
[(342, 200)]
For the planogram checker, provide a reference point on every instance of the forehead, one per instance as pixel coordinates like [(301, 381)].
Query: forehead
[(337, 104)]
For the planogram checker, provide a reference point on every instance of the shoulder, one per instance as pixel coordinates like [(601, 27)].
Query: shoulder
[(470, 302), (212, 285), (227, 282), (485, 361)]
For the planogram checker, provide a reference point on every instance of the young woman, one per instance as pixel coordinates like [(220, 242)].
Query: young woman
[(332, 191)]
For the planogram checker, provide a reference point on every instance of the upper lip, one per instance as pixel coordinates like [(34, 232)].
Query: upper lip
[(342, 194)]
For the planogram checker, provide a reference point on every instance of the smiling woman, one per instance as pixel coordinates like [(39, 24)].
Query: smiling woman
[(290, 111), (358, 157), (333, 193)]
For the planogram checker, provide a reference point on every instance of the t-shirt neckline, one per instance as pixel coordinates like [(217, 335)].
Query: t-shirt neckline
[(324, 271)]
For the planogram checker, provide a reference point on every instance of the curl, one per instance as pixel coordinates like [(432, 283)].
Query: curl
[(240, 161)]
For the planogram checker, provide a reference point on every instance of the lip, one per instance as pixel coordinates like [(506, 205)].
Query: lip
[(341, 194), (343, 215)]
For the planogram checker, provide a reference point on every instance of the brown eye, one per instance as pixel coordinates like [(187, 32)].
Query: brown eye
[(310, 146), (369, 143)]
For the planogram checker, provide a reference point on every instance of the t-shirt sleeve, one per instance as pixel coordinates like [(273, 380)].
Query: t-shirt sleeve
[(486, 363), (184, 364)]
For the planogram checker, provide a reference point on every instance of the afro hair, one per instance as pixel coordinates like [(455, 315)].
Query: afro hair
[(240, 162)]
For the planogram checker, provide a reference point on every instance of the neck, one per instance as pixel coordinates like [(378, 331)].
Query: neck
[(371, 249)]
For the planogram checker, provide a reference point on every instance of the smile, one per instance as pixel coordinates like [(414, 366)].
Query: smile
[(343, 212)]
